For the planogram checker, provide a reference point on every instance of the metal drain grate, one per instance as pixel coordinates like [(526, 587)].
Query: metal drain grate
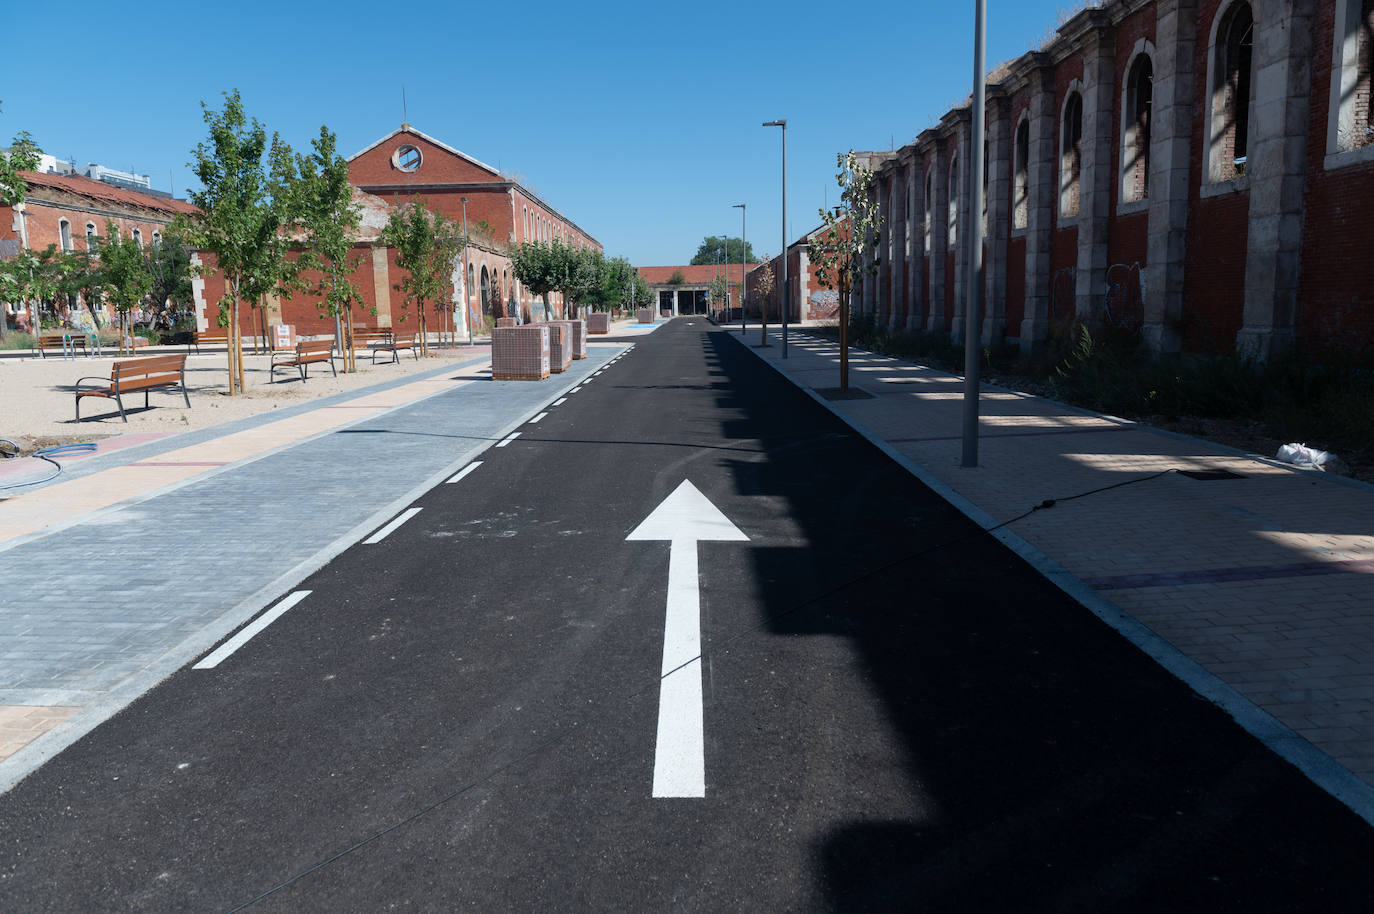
[(1209, 475)]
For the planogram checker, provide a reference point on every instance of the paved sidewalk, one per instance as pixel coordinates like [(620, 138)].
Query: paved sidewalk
[(134, 562), (1265, 582)]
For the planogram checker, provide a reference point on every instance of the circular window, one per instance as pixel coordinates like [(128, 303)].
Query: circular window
[(406, 158)]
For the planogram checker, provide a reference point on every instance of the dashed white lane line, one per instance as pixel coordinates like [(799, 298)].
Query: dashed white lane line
[(464, 471), (575, 390), (508, 439), (389, 528), (247, 632), (560, 401), (538, 417)]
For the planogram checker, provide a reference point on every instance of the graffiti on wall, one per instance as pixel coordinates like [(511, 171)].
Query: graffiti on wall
[(824, 305)]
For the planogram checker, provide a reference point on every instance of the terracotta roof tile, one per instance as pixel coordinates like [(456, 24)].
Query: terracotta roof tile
[(101, 192)]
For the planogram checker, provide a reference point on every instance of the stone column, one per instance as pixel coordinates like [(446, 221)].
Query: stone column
[(1276, 165), (915, 275), (1171, 118), (1042, 196), (1095, 177), (884, 248), (870, 277), (999, 192), (897, 261), (939, 237), (381, 285), (963, 225)]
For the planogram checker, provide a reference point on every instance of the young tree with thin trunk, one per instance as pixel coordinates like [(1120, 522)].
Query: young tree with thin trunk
[(124, 278), (239, 214), (535, 265), (852, 230), (427, 247), (329, 228)]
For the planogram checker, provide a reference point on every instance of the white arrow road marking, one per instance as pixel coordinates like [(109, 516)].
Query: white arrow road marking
[(683, 518)]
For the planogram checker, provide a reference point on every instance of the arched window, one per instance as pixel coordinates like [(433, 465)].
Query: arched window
[(157, 238), (925, 221), (952, 203), (1135, 129), (470, 285), (1070, 154), (910, 215), (138, 237), (1349, 123), (1229, 137), (92, 240), (64, 232), (1020, 184), (486, 293)]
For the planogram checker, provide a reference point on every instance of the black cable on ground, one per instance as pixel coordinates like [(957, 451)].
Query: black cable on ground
[(559, 736), (50, 454)]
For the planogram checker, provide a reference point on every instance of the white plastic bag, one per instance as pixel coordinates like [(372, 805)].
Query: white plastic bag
[(1300, 455)]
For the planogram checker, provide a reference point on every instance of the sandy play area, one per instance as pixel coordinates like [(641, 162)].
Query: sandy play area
[(37, 402)]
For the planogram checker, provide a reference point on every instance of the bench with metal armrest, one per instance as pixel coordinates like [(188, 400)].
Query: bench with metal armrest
[(158, 372)]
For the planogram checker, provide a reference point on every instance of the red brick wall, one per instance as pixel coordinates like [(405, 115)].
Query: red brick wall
[(1016, 284), (1127, 236), (439, 166)]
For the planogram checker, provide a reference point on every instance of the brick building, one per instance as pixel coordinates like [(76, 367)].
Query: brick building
[(1202, 169), (407, 165), (689, 294), (70, 211)]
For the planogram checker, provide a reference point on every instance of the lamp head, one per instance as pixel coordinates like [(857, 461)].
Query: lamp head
[(782, 122), (738, 206)]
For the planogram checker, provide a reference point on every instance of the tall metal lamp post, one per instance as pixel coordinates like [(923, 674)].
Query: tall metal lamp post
[(744, 263), (782, 122), (975, 242)]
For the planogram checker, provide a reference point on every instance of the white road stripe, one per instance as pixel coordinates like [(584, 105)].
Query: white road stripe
[(386, 531), (508, 439), (538, 417), (680, 754), (560, 401), (574, 390), (247, 632), (465, 471)]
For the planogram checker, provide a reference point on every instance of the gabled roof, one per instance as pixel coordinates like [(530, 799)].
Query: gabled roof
[(406, 128), (100, 192)]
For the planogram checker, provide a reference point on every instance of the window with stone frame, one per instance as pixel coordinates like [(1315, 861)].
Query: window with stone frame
[(952, 207), (470, 286), (1135, 130), (1353, 36), (1071, 155), (987, 170), (92, 239), (64, 233), (1020, 182), (925, 221), (1230, 96)]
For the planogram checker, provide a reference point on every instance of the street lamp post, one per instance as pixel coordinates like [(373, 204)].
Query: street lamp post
[(467, 293), (975, 242), (744, 264), (782, 122)]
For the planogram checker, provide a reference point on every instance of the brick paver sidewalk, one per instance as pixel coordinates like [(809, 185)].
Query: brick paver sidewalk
[(1265, 581)]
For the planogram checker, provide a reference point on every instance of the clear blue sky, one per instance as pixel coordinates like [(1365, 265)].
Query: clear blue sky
[(638, 121)]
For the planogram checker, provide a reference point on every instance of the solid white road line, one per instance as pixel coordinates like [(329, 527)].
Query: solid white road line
[(465, 471), (386, 531), (680, 756), (247, 632), (538, 417), (508, 439)]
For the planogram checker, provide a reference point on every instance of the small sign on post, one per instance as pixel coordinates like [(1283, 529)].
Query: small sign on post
[(283, 337)]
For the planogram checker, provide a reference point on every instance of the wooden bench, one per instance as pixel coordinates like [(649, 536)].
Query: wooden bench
[(158, 372), (306, 353), (366, 337), (215, 335), (394, 344)]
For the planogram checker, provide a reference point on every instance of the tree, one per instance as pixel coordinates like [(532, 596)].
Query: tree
[(23, 156), (124, 277), (717, 249), (536, 266), (718, 292), (80, 279), (852, 230), (763, 281), (576, 273), (677, 278), (33, 277), (240, 210), (427, 246), (329, 226), (169, 263)]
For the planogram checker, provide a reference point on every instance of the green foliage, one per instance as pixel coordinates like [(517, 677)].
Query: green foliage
[(328, 224), (23, 156), (537, 268), (718, 291), (426, 246), (677, 278), (851, 230), (719, 249), (124, 275), (169, 263)]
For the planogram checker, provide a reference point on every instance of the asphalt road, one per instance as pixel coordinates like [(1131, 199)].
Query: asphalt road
[(899, 714)]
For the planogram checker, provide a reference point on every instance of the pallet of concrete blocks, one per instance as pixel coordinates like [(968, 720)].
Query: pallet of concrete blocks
[(505, 322), (645, 315), (560, 345), (578, 329), (520, 353), (598, 322)]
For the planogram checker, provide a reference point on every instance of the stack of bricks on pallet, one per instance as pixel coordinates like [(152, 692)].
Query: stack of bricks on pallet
[(645, 315), (560, 346), (598, 322), (520, 353), (505, 322), (578, 331)]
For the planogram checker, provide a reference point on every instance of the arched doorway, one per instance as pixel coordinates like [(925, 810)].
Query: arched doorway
[(486, 293)]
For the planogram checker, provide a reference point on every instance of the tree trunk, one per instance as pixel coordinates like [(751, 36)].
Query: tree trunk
[(350, 360)]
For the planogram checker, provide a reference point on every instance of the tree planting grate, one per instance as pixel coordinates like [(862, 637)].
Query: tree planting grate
[(1209, 475)]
